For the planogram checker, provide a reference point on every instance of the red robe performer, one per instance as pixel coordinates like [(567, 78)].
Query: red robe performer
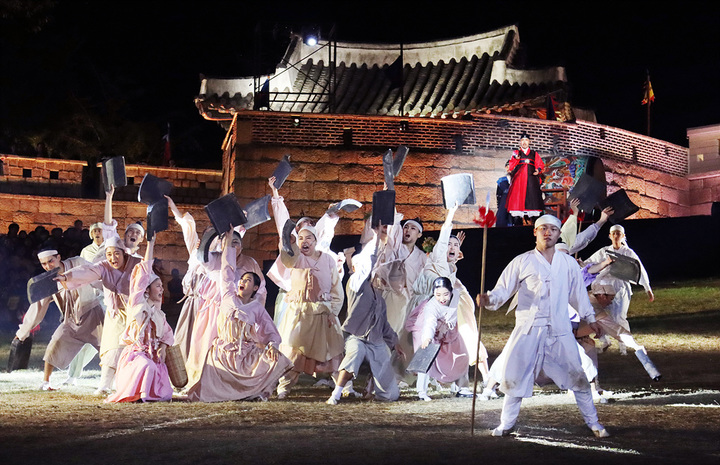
[(525, 167)]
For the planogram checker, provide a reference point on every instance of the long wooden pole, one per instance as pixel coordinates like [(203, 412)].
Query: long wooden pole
[(477, 351)]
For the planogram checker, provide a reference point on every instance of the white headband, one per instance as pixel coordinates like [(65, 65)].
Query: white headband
[(47, 253), (307, 227), (136, 226), (617, 227), (116, 242), (548, 219), (416, 224)]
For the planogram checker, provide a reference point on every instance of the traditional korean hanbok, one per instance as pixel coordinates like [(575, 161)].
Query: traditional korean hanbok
[(205, 328), (439, 323), (310, 329), (116, 288), (239, 364), (525, 197), (141, 371), (619, 307), (438, 266), (191, 283)]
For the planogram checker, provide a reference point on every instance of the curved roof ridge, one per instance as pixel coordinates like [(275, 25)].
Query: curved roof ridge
[(419, 52)]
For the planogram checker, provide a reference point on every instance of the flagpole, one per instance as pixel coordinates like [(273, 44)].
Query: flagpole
[(477, 351), (649, 100), (402, 83)]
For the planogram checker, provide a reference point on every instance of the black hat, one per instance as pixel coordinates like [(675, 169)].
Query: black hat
[(524, 135)]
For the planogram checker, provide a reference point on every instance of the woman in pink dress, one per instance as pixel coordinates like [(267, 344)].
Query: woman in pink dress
[(204, 330), (310, 329), (436, 320), (243, 362), (141, 373)]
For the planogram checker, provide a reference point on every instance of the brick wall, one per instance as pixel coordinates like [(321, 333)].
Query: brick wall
[(30, 212), (457, 135), (41, 176), (65, 178), (331, 165)]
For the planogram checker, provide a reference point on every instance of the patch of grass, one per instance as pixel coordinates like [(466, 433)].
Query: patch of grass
[(677, 298)]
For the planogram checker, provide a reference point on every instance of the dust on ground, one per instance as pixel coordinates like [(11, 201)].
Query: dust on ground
[(675, 420)]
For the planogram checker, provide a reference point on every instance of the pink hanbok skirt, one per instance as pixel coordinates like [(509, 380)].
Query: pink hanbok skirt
[(453, 359), (138, 377)]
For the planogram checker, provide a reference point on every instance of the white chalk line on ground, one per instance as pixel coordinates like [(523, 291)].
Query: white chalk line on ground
[(145, 428), (544, 441)]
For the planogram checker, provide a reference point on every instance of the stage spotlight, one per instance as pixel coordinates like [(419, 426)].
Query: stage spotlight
[(311, 40)]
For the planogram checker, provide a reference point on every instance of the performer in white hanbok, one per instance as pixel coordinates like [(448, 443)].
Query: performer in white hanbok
[(134, 232), (621, 303), (436, 320), (442, 262), (142, 374), (204, 328), (191, 282), (82, 318), (542, 347), (115, 273)]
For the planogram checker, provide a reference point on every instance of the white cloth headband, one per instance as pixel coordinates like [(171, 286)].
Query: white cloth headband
[(46, 253), (548, 219)]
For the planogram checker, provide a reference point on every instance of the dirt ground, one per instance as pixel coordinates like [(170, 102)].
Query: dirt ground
[(676, 420)]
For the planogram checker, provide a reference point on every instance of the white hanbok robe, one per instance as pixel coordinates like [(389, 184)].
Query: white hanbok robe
[(542, 347), (621, 303)]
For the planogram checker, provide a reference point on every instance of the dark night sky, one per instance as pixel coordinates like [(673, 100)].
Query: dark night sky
[(154, 52)]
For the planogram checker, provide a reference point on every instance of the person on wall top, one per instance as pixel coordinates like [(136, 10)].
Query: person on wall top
[(525, 199)]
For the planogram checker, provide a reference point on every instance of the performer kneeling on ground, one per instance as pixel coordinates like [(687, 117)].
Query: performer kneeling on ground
[(243, 362), (436, 320), (141, 371), (542, 348)]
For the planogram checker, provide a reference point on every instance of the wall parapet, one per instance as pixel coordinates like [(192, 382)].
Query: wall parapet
[(581, 138)]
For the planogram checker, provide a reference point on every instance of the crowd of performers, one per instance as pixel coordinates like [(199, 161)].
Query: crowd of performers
[(399, 300)]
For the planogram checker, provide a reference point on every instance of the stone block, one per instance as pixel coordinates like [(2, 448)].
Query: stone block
[(323, 172), (635, 184), (670, 194), (700, 196), (412, 175), (50, 207)]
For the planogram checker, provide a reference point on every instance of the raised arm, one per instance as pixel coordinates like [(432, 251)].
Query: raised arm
[(187, 224), (439, 254)]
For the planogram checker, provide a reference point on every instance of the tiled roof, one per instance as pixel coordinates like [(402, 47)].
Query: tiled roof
[(440, 79)]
